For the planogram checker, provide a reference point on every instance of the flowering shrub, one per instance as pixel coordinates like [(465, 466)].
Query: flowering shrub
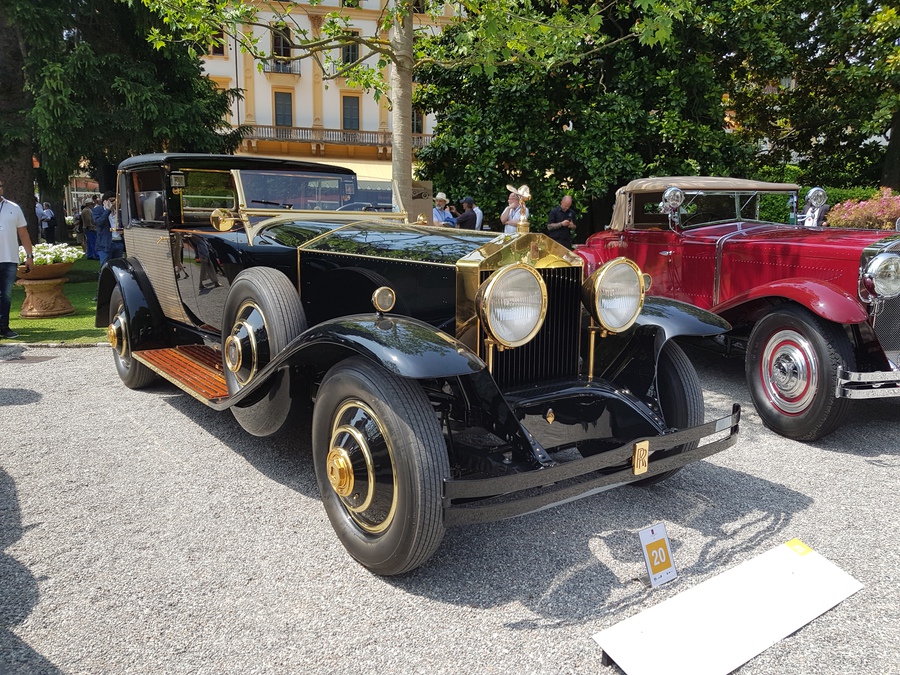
[(878, 213), (46, 254)]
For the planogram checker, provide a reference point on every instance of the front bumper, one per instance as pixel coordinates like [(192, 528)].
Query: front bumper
[(489, 499), (880, 384)]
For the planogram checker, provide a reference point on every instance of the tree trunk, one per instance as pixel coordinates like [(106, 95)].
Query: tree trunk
[(401, 110), (890, 170), (16, 168)]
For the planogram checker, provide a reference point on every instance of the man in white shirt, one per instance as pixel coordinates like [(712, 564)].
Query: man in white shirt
[(479, 217), (513, 213), (12, 223)]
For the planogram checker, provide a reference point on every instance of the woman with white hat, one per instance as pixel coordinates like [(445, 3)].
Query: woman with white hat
[(442, 215)]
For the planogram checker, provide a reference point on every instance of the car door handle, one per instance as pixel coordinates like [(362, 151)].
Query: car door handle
[(665, 253)]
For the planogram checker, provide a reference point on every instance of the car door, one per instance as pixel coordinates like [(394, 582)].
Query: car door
[(655, 250)]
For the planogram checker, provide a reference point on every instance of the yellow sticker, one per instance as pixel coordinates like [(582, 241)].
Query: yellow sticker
[(798, 547), (658, 553)]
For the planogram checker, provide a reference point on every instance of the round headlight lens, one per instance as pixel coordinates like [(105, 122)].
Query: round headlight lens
[(512, 304), (614, 294), (884, 273), (817, 197)]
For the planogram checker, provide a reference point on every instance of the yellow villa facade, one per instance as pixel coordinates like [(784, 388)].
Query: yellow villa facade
[(294, 112)]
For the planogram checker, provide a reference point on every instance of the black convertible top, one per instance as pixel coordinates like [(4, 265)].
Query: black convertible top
[(227, 162)]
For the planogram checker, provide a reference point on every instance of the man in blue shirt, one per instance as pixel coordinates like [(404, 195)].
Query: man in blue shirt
[(441, 215), (104, 237)]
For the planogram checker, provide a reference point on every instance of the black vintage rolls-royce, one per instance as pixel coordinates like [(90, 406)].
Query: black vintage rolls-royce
[(453, 376)]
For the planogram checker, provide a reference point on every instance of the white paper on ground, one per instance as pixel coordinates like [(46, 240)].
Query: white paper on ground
[(724, 622)]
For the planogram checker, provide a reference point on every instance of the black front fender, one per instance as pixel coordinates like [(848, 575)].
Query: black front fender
[(145, 318), (401, 345), (629, 359)]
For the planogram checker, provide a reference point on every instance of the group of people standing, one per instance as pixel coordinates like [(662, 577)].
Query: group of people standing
[(560, 222), (446, 215), (98, 230)]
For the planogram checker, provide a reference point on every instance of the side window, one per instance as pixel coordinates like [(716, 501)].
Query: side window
[(205, 191), (148, 196)]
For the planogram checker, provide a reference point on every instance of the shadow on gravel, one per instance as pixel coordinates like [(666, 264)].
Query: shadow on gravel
[(18, 590), (18, 396), (566, 564), (285, 459)]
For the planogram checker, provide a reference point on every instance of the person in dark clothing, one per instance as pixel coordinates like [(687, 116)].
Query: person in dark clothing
[(467, 219), (100, 214), (90, 230), (561, 222)]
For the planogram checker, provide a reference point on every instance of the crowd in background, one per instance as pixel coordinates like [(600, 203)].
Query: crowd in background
[(560, 222)]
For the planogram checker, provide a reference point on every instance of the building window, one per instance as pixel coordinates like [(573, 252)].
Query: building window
[(218, 47), (284, 109), (281, 42), (418, 122), (350, 53), (418, 6), (350, 111)]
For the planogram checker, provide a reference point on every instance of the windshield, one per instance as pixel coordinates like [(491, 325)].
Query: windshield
[(706, 207), (296, 190)]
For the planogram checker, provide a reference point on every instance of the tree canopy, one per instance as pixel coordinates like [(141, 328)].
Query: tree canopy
[(583, 127), (493, 34), (824, 85), (729, 80), (96, 90)]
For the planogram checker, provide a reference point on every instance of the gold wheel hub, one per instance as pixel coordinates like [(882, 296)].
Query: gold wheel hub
[(233, 353), (112, 335), (340, 472)]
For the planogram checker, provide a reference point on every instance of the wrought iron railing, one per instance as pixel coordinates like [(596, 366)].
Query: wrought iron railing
[(281, 66), (337, 136)]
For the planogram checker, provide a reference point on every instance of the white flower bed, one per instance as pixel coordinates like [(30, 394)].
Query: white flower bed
[(46, 254)]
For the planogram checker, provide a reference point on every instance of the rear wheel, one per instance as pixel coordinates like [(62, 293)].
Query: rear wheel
[(380, 462), (680, 399), (133, 374), (262, 315), (792, 361)]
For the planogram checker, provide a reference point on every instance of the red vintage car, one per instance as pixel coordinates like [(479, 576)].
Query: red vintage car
[(815, 309)]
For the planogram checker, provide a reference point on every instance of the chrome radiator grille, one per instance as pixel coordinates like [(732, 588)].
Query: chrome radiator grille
[(887, 325), (554, 352)]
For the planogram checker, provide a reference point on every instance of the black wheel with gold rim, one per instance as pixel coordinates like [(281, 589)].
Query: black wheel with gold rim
[(133, 374), (262, 315), (380, 462)]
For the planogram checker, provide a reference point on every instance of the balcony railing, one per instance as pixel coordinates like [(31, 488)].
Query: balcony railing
[(280, 66), (264, 132)]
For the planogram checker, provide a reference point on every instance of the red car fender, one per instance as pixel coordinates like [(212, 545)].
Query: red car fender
[(824, 299), (591, 260), (597, 252)]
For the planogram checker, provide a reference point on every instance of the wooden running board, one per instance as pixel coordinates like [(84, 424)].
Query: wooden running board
[(196, 369)]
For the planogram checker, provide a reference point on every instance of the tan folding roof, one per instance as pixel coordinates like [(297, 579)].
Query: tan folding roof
[(712, 183), (705, 183)]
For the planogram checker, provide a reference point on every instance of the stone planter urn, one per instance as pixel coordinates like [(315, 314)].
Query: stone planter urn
[(44, 295)]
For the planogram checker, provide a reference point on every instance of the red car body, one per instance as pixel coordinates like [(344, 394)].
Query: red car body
[(801, 299)]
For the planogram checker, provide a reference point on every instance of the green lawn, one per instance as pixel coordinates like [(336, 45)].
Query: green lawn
[(80, 289)]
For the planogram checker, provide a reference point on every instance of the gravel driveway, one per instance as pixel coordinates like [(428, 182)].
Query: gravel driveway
[(143, 532)]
